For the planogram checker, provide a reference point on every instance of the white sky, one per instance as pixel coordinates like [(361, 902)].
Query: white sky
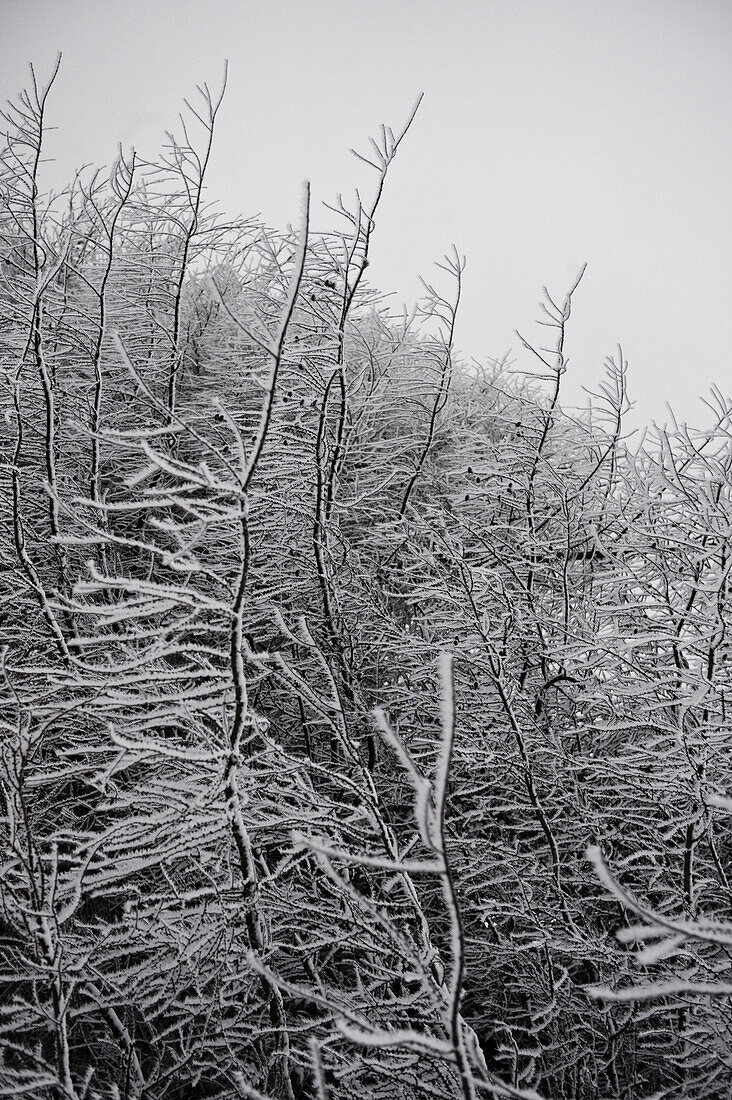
[(551, 133)]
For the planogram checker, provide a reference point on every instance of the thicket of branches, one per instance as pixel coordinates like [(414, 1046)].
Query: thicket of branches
[(364, 716)]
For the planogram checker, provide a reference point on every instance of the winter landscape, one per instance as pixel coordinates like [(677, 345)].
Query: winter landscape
[(365, 708)]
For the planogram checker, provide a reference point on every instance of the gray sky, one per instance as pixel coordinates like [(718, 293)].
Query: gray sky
[(551, 133)]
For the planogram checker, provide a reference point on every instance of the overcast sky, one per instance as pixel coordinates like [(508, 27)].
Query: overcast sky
[(550, 133)]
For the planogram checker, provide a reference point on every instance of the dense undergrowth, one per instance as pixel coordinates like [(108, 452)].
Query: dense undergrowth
[(364, 716)]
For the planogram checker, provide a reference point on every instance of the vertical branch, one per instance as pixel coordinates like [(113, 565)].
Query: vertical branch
[(455, 267), (42, 279), (558, 318), (356, 262), (122, 181), (236, 641), (22, 159), (185, 159), (457, 938)]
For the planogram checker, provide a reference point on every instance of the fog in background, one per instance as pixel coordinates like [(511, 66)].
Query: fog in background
[(550, 133)]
